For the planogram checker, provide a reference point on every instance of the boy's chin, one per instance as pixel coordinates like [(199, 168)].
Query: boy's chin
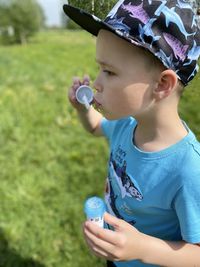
[(108, 116), (111, 116)]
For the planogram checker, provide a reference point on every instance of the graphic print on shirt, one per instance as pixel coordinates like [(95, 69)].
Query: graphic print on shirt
[(120, 186)]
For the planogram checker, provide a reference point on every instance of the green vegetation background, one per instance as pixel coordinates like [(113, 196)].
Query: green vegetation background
[(48, 164)]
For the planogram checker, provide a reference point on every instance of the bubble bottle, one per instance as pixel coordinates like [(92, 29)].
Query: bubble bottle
[(94, 209)]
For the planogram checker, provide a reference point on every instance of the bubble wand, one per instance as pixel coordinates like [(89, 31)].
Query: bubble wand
[(84, 95)]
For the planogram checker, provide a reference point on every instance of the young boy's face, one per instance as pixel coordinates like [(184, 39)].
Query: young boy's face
[(125, 82)]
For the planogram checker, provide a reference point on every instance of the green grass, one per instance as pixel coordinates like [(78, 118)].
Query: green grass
[(48, 164)]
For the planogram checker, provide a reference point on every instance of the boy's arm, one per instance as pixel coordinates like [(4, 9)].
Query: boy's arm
[(127, 243), (90, 118), (171, 253)]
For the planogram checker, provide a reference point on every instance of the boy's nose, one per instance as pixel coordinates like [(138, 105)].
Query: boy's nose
[(97, 86)]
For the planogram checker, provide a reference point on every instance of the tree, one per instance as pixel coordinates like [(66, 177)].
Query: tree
[(20, 19), (100, 8)]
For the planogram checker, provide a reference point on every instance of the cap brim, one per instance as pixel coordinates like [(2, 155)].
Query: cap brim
[(93, 24), (87, 21)]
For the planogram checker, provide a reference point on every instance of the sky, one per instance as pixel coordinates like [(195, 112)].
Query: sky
[(52, 10)]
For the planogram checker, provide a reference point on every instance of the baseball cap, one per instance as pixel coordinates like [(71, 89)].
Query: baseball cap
[(168, 29)]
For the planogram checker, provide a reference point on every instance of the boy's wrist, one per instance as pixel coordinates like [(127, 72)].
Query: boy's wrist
[(143, 247), (152, 249), (81, 109), (146, 246)]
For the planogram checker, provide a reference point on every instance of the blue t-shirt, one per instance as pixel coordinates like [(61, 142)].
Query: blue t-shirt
[(156, 192)]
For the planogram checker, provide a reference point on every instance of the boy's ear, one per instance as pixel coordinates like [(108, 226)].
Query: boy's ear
[(166, 84)]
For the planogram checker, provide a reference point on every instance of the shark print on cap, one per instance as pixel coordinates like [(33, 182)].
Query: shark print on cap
[(173, 44), (172, 17), (166, 28), (178, 48), (113, 12), (193, 54), (118, 25), (137, 12)]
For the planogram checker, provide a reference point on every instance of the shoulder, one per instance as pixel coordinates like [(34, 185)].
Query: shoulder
[(190, 164), (117, 127), (192, 154), (126, 122)]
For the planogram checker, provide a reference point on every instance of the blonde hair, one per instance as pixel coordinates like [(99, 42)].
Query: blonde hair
[(152, 63)]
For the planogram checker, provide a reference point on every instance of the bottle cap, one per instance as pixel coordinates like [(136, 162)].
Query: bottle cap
[(84, 95), (94, 207)]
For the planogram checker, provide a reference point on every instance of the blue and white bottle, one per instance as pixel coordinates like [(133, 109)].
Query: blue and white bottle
[(94, 209)]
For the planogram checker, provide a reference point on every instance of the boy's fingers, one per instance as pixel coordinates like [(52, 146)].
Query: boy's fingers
[(95, 233), (113, 221), (76, 79), (71, 95), (76, 82), (86, 79)]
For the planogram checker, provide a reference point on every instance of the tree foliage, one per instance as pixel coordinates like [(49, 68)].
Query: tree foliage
[(100, 8), (19, 19)]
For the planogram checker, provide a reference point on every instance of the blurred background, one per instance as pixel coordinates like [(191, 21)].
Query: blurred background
[(48, 164)]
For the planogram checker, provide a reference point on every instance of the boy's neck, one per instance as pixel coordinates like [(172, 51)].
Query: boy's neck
[(156, 134)]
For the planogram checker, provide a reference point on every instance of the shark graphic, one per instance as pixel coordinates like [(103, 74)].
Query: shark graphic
[(147, 30), (110, 199), (183, 5), (193, 54), (118, 187), (178, 48), (137, 12), (172, 16), (194, 72), (194, 22), (167, 61), (115, 9), (119, 25), (123, 184)]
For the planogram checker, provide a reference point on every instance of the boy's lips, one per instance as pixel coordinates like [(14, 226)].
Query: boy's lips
[(96, 103)]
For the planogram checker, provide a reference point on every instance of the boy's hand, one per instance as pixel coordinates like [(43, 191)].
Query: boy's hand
[(72, 91), (123, 244)]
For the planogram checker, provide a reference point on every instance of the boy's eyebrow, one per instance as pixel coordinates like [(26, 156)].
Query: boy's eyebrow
[(104, 63)]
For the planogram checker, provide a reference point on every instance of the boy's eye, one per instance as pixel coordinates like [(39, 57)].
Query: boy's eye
[(110, 73)]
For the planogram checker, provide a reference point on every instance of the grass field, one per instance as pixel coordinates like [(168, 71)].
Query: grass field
[(48, 164)]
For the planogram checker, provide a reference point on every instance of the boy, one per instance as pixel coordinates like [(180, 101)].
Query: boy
[(147, 52)]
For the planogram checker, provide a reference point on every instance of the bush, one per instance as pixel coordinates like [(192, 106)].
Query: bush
[(19, 20)]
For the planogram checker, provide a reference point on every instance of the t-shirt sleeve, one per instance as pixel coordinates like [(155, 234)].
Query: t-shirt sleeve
[(108, 127), (187, 207)]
